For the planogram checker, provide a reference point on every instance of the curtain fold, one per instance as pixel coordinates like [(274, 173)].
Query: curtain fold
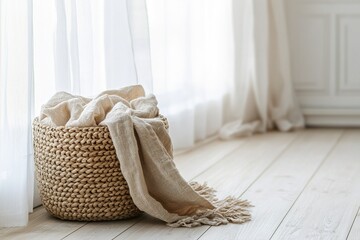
[(16, 112), (192, 62), (119, 58), (263, 96)]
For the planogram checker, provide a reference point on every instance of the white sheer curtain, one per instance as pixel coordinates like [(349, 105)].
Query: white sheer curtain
[(83, 47), (263, 96), (16, 111), (87, 46), (205, 52), (192, 60), (211, 61)]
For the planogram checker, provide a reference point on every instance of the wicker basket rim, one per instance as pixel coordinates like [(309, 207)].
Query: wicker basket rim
[(57, 128)]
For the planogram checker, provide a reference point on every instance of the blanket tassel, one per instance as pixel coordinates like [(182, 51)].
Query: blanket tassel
[(230, 209)]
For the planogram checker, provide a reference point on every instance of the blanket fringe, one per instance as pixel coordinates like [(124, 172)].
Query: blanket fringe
[(228, 210)]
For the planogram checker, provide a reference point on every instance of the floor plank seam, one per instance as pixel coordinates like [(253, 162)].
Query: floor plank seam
[(204, 232), (353, 222), (74, 231), (309, 181), (140, 220)]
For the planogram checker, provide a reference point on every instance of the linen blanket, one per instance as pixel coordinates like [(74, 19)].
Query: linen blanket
[(144, 149)]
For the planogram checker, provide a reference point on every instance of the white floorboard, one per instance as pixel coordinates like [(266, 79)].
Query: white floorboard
[(304, 185), (327, 207), (276, 190), (192, 163)]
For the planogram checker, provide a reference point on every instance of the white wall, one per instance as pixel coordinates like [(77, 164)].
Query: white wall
[(324, 39)]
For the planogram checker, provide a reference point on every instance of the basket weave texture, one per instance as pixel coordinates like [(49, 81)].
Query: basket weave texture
[(78, 174)]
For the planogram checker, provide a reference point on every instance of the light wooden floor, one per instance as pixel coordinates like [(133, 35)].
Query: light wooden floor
[(304, 185)]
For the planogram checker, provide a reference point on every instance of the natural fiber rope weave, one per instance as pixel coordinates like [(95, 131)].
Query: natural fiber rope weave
[(78, 173)]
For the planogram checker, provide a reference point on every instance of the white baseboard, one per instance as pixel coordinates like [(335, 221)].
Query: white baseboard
[(332, 117)]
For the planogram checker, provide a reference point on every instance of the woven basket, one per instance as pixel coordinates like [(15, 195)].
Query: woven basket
[(78, 174)]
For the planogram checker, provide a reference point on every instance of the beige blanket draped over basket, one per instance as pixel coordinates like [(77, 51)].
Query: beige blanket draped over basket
[(144, 150)]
